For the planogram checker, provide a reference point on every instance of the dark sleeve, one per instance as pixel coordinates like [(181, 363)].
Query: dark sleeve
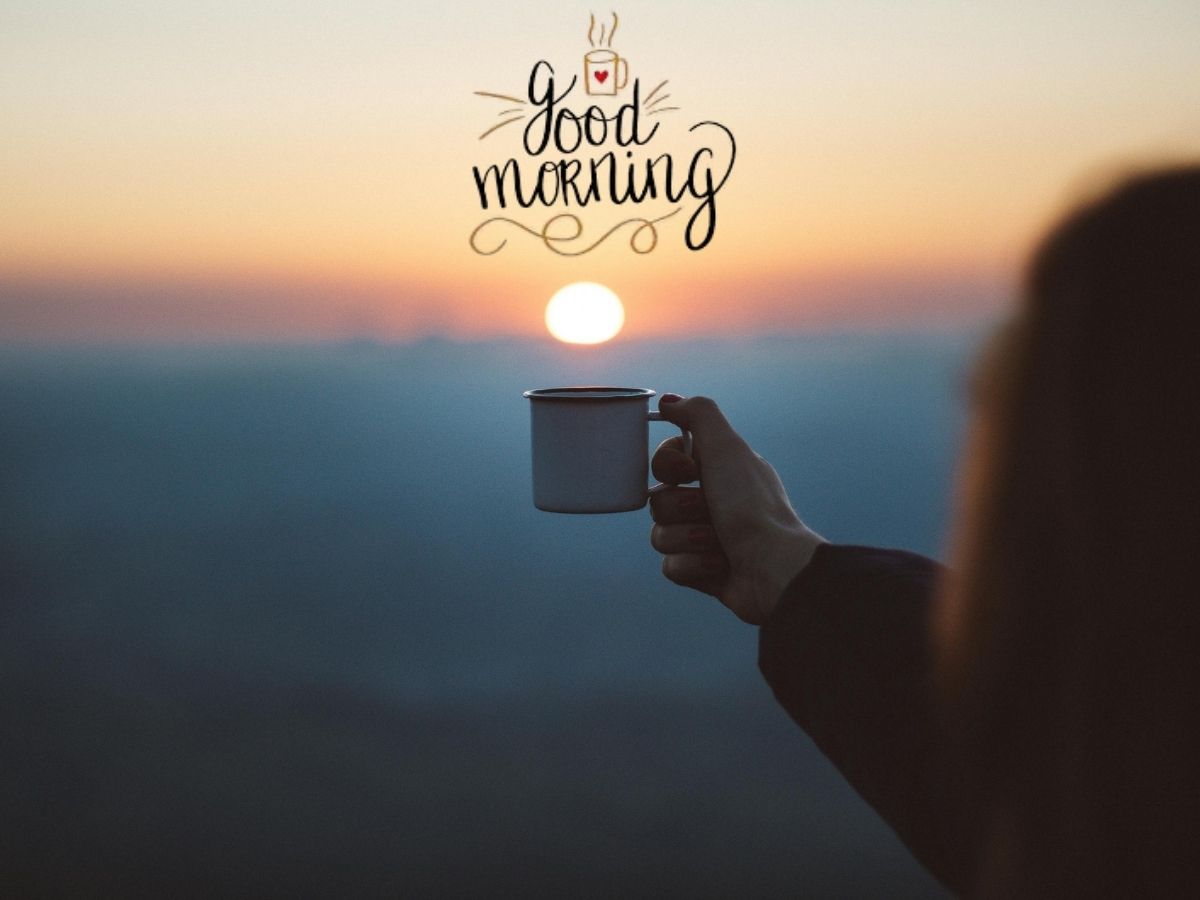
[(847, 654)]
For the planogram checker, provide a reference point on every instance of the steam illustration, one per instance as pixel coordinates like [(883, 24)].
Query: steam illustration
[(592, 28)]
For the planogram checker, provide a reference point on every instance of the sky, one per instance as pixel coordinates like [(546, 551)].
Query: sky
[(304, 171)]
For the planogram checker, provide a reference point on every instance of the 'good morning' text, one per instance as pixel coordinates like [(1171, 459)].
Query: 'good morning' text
[(615, 176)]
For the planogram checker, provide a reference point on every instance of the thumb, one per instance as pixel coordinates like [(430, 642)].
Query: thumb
[(711, 431)]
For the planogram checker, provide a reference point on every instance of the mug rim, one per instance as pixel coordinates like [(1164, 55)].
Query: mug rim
[(566, 393)]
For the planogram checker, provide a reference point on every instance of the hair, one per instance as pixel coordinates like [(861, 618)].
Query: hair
[(1069, 640)]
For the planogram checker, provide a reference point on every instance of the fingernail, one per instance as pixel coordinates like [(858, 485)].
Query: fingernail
[(670, 398), (698, 536)]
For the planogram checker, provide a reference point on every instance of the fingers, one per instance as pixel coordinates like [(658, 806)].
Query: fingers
[(671, 465), (692, 555), (672, 443), (704, 419), (678, 504), (702, 571), (684, 538)]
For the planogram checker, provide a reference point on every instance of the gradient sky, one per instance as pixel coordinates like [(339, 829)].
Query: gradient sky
[(300, 170)]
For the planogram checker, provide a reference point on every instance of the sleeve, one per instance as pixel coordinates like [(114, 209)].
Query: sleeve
[(847, 654)]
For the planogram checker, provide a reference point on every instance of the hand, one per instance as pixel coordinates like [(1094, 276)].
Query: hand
[(736, 536)]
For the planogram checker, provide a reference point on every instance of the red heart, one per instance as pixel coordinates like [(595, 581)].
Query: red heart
[(601, 76)]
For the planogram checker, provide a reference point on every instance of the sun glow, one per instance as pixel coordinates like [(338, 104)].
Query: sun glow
[(584, 313)]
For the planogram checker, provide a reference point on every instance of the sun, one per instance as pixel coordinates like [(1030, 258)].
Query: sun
[(584, 313)]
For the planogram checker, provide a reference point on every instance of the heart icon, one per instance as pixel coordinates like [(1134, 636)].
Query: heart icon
[(601, 77)]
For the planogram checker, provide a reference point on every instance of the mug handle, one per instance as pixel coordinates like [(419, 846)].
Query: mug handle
[(655, 416), (623, 67)]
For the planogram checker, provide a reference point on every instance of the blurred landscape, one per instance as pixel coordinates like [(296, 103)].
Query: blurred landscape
[(283, 621)]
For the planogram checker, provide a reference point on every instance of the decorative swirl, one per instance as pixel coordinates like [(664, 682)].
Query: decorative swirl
[(545, 236)]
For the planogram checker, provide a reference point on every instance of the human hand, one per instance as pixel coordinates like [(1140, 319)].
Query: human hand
[(735, 536)]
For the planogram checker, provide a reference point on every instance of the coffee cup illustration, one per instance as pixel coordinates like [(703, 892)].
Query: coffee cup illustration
[(604, 72)]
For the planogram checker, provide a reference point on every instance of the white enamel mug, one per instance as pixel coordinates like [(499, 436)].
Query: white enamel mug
[(591, 448)]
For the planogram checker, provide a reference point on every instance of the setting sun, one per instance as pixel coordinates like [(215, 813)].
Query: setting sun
[(584, 313)]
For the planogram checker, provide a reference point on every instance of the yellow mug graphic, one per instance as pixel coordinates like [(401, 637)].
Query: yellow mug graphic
[(604, 72)]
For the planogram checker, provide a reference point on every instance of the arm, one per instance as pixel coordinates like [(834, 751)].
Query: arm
[(844, 638), (846, 653)]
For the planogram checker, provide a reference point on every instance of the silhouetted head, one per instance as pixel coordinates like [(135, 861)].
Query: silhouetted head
[(1070, 636)]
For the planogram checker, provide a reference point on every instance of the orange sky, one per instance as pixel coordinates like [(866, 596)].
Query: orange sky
[(300, 172)]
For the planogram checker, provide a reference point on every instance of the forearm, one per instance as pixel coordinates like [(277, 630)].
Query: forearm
[(847, 654)]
